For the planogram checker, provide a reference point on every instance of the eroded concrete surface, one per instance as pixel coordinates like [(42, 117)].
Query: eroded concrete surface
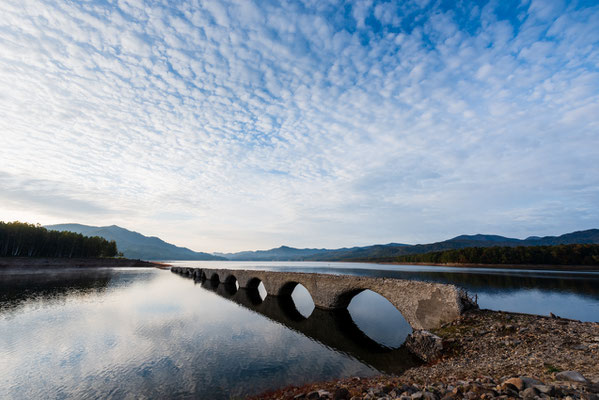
[(424, 305)]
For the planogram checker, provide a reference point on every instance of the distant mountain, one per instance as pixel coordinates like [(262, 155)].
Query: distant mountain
[(136, 245), (381, 251), (283, 253)]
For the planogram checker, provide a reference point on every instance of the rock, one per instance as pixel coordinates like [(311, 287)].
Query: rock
[(581, 347), (545, 389), (341, 394), (449, 396), (418, 395), (313, 395), (299, 396), (529, 393), (572, 376), (324, 394), (430, 396), (589, 396), (530, 382), (425, 345), (516, 382)]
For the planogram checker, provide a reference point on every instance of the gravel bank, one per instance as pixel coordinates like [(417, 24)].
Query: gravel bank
[(486, 354)]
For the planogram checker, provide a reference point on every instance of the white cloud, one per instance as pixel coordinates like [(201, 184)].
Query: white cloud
[(265, 125)]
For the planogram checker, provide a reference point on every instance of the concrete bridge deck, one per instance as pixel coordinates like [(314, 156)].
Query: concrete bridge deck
[(424, 305)]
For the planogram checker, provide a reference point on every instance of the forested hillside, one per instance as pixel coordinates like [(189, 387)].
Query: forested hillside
[(570, 254), (26, 240), (135, 245)]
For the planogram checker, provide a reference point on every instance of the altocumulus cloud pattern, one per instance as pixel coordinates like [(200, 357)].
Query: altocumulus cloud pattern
[(224, 125)]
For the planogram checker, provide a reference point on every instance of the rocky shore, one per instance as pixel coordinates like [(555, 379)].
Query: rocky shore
[(485, 355)]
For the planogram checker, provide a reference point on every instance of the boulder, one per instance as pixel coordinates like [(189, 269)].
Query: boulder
[(341, 394), (516, 382), (572, 376), (529, 393), (425, 345)]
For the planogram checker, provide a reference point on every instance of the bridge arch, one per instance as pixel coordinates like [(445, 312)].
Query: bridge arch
[(296, 300), (256, 290), (231, 284)]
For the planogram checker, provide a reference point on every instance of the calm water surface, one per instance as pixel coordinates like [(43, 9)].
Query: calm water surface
[(134, 333)]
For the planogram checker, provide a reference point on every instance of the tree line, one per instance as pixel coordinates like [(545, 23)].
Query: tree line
[(19, 239), (566, 254)]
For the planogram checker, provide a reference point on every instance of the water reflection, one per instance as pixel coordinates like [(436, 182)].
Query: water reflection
[(379, 319), (153, 334), (19, 287), (336, 329)]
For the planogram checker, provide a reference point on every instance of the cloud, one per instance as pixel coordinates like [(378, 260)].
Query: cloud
[(384, 122)]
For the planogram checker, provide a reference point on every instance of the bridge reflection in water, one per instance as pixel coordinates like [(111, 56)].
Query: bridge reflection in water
[(332, 328)]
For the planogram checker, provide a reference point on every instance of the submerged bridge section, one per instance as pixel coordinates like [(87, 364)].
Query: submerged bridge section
[(424, 305)]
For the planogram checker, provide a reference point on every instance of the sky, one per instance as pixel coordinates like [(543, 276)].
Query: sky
[(236, 125)]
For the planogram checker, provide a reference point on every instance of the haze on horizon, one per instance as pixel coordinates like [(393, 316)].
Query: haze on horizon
[(236, 125)]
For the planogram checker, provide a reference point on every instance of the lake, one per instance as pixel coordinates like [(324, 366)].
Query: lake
[(124, 333)]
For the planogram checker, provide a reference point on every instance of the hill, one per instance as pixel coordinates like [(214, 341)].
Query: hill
[(380, 251), (136, 245)]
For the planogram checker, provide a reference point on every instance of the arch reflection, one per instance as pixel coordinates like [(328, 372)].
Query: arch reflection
[(380, 320), (332, 328)]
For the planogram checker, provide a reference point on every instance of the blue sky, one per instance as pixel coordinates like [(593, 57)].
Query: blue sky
[(236, 125)]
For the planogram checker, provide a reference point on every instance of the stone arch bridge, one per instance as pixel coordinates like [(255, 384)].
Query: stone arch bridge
[(424, 305)]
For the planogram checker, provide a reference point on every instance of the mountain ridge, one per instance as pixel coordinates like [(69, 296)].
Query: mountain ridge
[(135, 245), (286, 253)]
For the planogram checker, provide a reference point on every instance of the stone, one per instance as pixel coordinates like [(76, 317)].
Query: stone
[(313, 395), (589, 396), (529, 393), (430, 396), (517, 383), (572, 376), (324, 394), (300, 396), (546, 389), (341, 394), (530, 382), (417, 396), (424, 345)]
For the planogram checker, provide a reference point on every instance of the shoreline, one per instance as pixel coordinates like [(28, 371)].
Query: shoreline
[(540, 267), (25, 263), (486, 354)]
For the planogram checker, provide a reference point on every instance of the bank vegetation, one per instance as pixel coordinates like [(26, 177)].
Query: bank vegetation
[(19, 239)]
